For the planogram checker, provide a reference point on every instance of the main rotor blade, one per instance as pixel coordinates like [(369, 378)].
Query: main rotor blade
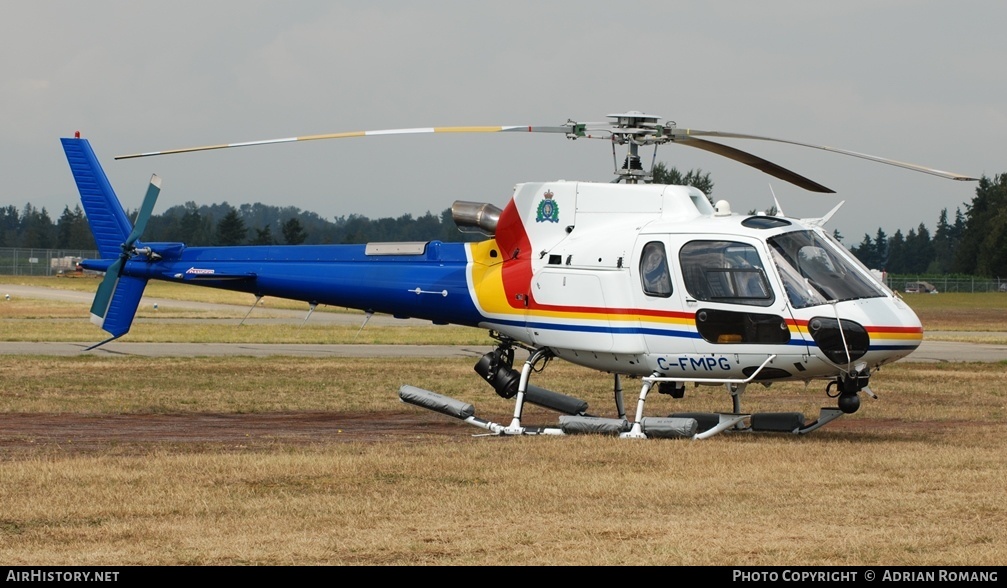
[(756, 162), (351, 134), (686, 133)]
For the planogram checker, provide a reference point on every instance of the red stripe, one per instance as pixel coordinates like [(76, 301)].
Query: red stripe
[(615, 311)]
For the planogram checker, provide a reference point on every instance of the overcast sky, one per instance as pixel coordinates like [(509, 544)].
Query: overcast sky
[(922, 82)]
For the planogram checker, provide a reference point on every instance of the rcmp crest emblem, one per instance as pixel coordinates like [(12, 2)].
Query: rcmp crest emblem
[(548, 209)]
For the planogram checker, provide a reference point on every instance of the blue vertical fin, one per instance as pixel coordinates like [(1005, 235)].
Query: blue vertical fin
[(119, 295), (109, 223)]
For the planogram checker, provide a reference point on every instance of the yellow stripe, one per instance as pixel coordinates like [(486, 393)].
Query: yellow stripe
[(898, 336), (333, 136), (487, 278)]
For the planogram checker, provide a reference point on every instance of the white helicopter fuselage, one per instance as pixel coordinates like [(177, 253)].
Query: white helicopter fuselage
[(631, 278), (647, 279)]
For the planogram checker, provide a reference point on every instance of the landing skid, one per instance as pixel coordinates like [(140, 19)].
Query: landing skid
[(576, 420), (675, 426)]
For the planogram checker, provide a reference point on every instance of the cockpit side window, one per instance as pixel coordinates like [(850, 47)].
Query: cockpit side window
[(654, 274), (725, 271)]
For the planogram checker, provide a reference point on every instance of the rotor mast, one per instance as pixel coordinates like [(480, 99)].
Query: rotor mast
[(633, 129)]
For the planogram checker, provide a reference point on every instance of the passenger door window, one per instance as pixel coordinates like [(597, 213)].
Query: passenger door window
[(654, 274), (725, 271)]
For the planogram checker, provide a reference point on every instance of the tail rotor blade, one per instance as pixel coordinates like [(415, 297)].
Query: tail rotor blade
[(146, 209), (102, 298)]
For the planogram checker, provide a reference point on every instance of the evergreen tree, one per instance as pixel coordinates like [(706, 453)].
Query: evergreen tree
[(293, 232), (958, 229), (981, 250), (37, 229), (10, 222), (231, 229), (897, 253), (193, 227), (921, 250), (664, 175), (866, 252), (942, 247), (880, 250), (263, 236), (72, 231)]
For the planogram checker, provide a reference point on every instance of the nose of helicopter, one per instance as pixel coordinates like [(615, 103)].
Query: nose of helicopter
[(892, 328)]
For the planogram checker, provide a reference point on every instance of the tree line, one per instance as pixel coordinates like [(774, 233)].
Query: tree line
[(223, 224), (973, 243)]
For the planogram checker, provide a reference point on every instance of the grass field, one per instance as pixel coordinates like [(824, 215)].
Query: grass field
[(915, 478)]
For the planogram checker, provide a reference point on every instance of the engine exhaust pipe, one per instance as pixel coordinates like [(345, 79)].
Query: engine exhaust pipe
[(476, 215)]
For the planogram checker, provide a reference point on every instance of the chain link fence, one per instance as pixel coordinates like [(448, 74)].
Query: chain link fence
[(42, 262), (929, 284)]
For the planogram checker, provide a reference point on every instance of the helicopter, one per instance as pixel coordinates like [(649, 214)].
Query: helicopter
[(636, 279)]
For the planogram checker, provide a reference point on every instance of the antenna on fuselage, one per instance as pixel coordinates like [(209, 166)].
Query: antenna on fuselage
[(367, 317), (254, 304), (779, 209)]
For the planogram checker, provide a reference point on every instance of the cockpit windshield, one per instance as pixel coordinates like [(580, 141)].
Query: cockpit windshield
[(814, 271)]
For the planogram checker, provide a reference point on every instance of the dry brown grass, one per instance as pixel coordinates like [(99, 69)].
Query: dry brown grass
[(542, 501), (915, 478), (161, 331), (154, 289)]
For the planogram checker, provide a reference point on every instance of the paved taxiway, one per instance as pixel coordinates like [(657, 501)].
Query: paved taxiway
[(929, 351)]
